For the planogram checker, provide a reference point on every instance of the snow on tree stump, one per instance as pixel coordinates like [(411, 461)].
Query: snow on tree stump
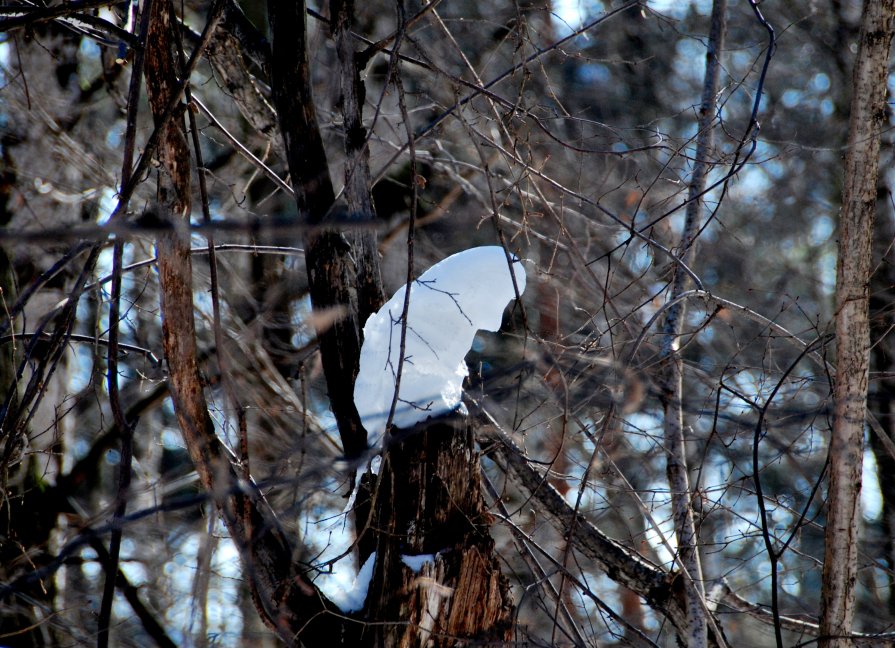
[(437, 579)]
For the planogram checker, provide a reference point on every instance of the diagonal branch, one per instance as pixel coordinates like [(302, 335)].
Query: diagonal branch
[(22, 15), (284, 597)]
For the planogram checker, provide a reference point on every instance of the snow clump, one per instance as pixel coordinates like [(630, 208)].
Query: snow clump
[(449, 303)]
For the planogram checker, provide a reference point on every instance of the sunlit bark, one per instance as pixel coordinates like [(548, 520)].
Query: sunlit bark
[(868, 115)]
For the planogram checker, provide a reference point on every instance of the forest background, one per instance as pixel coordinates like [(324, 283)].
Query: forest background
[(652, 439)]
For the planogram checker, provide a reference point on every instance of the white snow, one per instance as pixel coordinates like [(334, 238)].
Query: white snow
[(348, 597), (453, 299), (333, 534), (415, 563)]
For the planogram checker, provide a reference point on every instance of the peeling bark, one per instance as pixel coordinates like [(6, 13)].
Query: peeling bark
[(225, 54), (429, 501)]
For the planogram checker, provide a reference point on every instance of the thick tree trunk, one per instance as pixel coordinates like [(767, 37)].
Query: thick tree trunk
[(427, 497), (868, 115), (428, 502)]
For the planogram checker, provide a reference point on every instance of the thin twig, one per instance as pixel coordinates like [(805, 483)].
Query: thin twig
[(75, 337), (411, 146), (540, 53), (742, 155), (524, 542), (45, 277), (126, 428), (133, 99), (150, 624), (773, 554), (241, 148)]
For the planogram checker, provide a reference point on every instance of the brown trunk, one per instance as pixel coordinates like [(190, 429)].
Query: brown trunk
[(358, 178), (283, 597), (429, 501), (331, 269), (868, 114)]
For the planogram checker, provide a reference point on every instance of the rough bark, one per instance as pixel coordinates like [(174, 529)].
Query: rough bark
[(240, 57), (284, 598), (225, 54), (330, 266), (358, 178), (429, 501), (868, 115)]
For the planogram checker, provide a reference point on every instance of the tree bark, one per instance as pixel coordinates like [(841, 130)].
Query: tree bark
[(428, 501), (358, 178), (868, 115), (671, 372), (235, 44), (284, 598)]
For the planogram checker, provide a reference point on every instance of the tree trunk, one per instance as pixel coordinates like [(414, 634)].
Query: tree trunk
[(332, 271), (671, 385), (868, 114), (358, 177), (428, 501), (427, 497), (287, 602)]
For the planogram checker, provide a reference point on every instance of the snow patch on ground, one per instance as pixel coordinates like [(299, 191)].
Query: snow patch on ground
[(449, 303)]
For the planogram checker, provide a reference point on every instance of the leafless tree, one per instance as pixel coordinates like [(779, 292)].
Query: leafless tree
[(203, 203), (853, 273)]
